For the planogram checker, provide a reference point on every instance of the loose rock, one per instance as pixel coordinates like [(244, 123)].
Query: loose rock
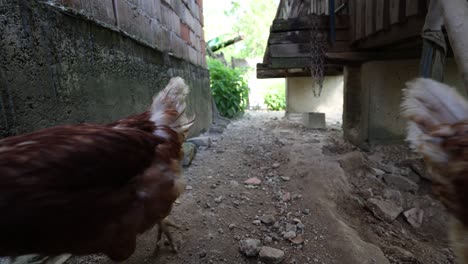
[(253, 181), (289, 235), (268, 219), (384, 210), (271, 255), (189, 150), (414, 216), (201, 141), (250, 247)]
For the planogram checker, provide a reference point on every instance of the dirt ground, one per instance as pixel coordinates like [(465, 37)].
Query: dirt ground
[(312, 183)]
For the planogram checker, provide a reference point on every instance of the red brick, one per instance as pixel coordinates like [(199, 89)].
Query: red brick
[(185, 32), (202, 46), (202, 18)]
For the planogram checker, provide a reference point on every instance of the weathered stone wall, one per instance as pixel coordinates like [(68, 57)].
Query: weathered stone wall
[(96, 62)]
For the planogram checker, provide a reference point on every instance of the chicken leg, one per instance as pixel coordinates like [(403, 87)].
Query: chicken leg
[(163, 228)]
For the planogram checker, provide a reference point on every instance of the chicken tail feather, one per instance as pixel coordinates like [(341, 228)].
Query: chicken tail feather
[(169, 107), (428, 106)]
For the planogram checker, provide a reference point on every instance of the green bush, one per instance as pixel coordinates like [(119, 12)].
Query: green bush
[(275, 99), (229, 88)]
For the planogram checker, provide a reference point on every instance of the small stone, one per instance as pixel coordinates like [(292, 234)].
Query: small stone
[(384, 210), (291, 227), (213, 186), (297, 240), (401, 254), (271, 255), (415, 217), (202, 254), (268, 219), (218, 200), (188, 188), (378, 172), (268, 240), (286, 197), (306, 211), (275, 165), (234, 183), (256, 222), (200, 141), (250, 247), (394, 196), (289, 235), (189, 150), (253, 181), (300, 226), (284, 178), (232, 226)]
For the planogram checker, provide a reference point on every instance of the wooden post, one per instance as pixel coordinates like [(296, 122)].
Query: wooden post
[(456, 22)]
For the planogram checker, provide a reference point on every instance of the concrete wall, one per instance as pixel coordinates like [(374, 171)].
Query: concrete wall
[(376, 89), (63, 66), (300, 97)]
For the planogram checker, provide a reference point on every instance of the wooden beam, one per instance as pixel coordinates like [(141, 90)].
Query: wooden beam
[(263, 72), (303, 36), (303, 49), (360, 19), (306, 23), (395, 34), (370, 17), (360, 57)]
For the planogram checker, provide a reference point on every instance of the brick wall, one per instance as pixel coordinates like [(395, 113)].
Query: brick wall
[(172, 26)]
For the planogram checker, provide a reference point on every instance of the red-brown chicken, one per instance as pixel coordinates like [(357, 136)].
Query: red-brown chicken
[(85, 189), (438, 129)]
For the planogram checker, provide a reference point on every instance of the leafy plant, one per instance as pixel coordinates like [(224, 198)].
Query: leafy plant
[(275, 99), (229, 88)]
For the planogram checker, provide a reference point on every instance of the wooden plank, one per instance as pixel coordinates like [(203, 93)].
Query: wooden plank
[(412, 7), (352, 15), (360, 57), (360, 16), (303, 36), (370, 17), (395, 34), (386, 14), (264, 72), (394, 11), (305, 22), (379, 14), (302, 49)]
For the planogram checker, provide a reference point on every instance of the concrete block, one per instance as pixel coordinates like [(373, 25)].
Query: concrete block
[(103, 11), (170, 19), (75, 4), (194, 41), (179, 47), (163, 37), (313, 120), (193, 55), (134, 22), (152, 8)]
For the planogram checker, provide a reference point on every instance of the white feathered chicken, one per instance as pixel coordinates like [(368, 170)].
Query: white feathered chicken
[(438, 129)]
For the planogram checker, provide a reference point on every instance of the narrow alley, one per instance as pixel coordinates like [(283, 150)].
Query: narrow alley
[(305, 204)]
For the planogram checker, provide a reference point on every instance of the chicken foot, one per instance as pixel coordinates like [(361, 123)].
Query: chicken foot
[(163, 228)]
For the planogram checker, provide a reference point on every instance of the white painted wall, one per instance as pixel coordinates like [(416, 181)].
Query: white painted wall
[(300, 97)]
